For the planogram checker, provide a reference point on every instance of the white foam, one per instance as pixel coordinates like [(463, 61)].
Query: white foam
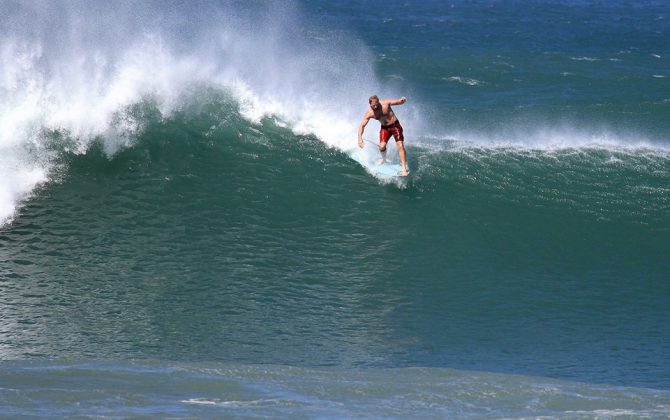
[(584, 59), (464, 80), (18, 177), (236, 403)]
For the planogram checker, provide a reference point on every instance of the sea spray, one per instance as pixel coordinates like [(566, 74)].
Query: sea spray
[(76, 69)]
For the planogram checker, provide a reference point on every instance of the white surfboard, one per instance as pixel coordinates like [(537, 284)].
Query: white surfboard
[(388, 169), (384, 170)]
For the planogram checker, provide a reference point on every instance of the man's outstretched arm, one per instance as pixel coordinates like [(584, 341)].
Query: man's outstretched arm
[(397, 101)]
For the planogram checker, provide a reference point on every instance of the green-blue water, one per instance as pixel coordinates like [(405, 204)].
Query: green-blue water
[(186, 234)]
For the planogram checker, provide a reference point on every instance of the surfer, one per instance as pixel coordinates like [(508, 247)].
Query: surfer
[(382, 112)]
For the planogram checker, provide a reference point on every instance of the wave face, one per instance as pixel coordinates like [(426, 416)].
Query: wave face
[(225, 225), (176, 186)]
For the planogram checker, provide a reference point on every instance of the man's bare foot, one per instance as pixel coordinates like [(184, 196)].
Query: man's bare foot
[(403, 172), (381, 161)]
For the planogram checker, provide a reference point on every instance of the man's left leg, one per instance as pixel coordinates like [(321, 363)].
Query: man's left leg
[(403, 157), (400, 144)]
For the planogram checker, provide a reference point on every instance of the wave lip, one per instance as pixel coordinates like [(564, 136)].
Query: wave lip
[(531, 136)]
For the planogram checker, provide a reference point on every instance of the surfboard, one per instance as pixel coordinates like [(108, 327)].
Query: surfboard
[(388, 169), (384, 170)]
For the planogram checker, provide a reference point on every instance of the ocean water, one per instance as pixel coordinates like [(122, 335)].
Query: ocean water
[(184, 232)]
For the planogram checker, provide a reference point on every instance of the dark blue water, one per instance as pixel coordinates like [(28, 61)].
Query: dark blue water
[(180, 206)]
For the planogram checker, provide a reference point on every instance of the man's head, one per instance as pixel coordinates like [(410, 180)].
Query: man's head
[(374, 102)]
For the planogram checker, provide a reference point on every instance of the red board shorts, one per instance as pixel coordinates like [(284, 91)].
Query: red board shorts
[(394, 130)]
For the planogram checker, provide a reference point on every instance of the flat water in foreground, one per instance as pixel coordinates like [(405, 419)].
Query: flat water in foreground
[(208, 389)]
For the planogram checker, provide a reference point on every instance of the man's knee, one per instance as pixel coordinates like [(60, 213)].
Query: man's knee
[(382, 147)]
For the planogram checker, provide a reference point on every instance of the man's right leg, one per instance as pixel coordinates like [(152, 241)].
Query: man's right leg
[(384, 135), (382, 151)]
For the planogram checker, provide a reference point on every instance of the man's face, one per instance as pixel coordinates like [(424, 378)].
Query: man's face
[(374, 105)]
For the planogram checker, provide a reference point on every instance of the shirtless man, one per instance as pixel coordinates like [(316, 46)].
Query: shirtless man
[(381, 111)]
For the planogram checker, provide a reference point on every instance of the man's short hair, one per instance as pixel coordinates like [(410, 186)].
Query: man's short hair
[(373, 98)]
